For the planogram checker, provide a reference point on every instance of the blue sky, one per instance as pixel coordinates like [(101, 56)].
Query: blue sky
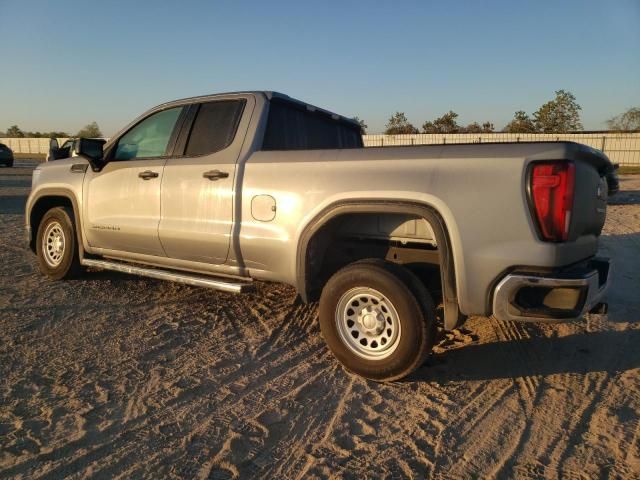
[(67, 63)]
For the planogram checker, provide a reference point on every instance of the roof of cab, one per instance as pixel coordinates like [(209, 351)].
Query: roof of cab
[(269, 94)]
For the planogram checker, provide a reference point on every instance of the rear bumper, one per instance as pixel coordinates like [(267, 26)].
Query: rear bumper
[(563, 295)]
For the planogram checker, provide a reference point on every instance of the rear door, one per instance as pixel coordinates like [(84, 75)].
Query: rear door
[(122, 201), (197, 186)]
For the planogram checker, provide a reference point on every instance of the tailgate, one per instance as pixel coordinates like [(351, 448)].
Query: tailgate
[(590, 198)]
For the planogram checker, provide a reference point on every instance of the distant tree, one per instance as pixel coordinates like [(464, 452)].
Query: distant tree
[(560, 115), (474, 127), (90, 131), (56, 135), (398, 124), (488, 127), (363, 126), (444, 124), (14, 132), (629, 120), (521, 123)]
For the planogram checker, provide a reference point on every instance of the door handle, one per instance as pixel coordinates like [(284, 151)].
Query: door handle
[(148, 174), (215, 174)]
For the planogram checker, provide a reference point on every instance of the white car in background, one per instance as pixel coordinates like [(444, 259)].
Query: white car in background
[(66, 146)]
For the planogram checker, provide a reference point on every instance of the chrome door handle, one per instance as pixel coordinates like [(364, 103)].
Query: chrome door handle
[(215, 174), (148, 174)]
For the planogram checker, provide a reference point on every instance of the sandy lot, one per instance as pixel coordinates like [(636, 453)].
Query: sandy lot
[(117, 376)]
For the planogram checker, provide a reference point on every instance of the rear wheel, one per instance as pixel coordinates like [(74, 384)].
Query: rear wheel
[(56, 244), (377, 319)]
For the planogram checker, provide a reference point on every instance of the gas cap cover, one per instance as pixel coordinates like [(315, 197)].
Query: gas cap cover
[(263, 208)]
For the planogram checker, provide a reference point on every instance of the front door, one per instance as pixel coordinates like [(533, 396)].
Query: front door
[(197, 186), (122, 201)]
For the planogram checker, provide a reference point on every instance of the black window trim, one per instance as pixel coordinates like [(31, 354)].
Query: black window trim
[(180, 147), (180, 144)]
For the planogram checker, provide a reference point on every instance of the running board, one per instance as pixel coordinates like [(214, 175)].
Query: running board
[(186, 278)]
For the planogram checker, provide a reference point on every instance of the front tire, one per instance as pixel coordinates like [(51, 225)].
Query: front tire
[(56, 245), (377, 319)]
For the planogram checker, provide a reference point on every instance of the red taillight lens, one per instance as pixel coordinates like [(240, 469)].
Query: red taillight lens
[(552, 188)]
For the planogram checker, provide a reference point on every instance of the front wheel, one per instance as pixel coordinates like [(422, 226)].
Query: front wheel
[(56, 244), (377, 319)]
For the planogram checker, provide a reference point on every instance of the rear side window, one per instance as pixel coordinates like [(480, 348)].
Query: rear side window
[(214, 127), (293, 127)]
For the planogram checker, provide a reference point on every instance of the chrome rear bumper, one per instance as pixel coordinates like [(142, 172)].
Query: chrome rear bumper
[(587, 283)]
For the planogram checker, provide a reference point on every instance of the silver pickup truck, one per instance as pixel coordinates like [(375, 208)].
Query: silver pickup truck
[(219, 190)]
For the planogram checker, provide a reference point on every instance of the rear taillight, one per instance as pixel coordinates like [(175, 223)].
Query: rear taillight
[(552, 188)]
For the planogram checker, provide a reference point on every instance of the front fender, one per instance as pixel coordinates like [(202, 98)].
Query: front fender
[(45, 198)]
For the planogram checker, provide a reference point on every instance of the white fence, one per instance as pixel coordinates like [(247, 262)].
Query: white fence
[(622, 148), (29, 145)]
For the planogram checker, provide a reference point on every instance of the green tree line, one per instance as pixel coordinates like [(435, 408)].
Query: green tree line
[(559, 115), (91, 130)]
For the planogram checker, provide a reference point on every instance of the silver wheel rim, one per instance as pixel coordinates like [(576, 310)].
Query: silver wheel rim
[(368, 323), (53, 243)]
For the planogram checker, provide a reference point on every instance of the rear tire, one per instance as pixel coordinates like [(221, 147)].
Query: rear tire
[(378, 319), (56, 245)]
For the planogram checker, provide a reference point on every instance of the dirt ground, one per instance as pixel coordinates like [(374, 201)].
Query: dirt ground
[(118, 376)]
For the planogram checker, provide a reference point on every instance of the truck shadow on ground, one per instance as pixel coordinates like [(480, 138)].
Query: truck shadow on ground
[(588, 352), (625, 197)]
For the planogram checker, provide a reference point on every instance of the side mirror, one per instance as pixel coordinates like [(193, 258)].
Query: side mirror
[(91, 149)]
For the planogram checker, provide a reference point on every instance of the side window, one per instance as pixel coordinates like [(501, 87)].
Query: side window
[(214, 127), (293, 127), (150, 137)]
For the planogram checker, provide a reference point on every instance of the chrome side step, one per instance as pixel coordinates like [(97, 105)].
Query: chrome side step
[(172, 276)]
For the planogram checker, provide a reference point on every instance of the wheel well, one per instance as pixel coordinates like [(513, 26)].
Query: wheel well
[(423, 246), (42, 206), (399, 238)]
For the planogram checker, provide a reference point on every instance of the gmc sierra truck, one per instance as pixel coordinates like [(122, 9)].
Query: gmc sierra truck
[(218, 191)]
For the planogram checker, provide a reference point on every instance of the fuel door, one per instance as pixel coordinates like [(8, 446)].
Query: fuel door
[(263, 208)]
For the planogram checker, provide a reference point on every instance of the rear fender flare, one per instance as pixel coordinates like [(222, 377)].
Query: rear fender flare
[(452, 314)]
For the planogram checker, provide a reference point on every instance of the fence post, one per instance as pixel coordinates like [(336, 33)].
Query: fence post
[(382, 142), (604, 141)]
